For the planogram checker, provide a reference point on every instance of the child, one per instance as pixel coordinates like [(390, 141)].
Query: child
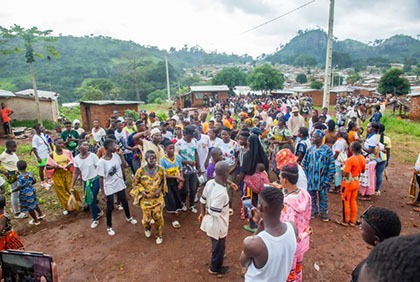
[(9, 240), (217, 156), (148, 191), (111, 181), (9, 160), (353, 167), (27, 194), (172, 163)]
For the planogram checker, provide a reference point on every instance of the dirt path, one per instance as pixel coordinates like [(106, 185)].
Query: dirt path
[(84, 254)]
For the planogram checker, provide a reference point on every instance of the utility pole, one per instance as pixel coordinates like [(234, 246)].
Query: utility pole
[(328, 59), (168, 88)]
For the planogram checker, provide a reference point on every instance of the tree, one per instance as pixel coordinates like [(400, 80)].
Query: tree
[(135, 60), (301, 78), (97, 89), (157, 96), (265, 78), (231, 77), (391, 82), (35, 43), (316, 84)]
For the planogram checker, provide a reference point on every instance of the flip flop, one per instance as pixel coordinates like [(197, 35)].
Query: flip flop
[(365, 199), (416, 209), (339, 222), (248, 228), (414, 204), (176, 224), (41, 217)]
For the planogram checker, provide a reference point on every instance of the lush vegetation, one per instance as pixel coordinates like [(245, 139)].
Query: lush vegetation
[(308, 49), (265, 78), (391, 82)]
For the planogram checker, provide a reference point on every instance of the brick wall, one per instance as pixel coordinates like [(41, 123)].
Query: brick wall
[(415, 108), (90, 112)]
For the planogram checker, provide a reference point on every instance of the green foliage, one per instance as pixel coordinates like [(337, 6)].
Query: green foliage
[(133, 114), (391, 82), (316, 84), (231, 77), (353, 77), (305, 61), (30, 123), (71, 113), (265, 78), (301, 78), (401, 126), (162, 116), (157, 96)]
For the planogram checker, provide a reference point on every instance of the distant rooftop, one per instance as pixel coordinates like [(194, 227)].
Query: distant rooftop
[(6, 94), (110, 102), (41, 94), (204, 88)]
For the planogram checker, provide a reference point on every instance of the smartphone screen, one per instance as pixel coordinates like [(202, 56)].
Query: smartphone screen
[(25, 266)]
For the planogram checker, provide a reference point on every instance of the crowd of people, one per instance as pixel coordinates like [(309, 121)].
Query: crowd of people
[(282, 156)]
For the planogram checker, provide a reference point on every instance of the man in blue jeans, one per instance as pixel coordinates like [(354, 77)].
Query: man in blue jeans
[(214, 216)]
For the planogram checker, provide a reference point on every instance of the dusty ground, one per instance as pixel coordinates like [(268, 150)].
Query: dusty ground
[(85, 254)]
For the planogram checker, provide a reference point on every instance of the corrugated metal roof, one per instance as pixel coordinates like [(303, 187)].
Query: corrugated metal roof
[(209, 88), (6, 93), (41, 94), (413, 94), (110, 102)]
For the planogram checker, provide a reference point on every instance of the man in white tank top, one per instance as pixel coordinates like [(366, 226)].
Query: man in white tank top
[(268, 255)]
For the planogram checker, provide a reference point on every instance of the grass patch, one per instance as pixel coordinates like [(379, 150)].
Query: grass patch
[(30, 123), (71, 113), (401, 126)]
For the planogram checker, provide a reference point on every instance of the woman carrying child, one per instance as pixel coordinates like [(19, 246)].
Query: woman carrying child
[(27, 194), (60, 164), (172, 163), (149, 187), (9, 240)]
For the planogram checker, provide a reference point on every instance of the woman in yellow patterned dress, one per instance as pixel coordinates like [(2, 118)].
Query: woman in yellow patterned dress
[(148, 192), (60, 164)]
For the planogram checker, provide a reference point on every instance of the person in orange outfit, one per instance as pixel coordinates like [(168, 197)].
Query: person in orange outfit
[(353, 167)]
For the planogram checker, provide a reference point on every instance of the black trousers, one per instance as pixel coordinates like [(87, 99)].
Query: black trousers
[(110, 206), (190, 188), (218, 248)]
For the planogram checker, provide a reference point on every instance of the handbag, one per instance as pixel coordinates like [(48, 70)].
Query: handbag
[(72, 203)]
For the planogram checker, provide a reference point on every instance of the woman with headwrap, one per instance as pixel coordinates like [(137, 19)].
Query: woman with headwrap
[(279, 136), (249, 174)]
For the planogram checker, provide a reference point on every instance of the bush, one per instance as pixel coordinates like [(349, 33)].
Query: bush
[(132, 114), (30, 123)]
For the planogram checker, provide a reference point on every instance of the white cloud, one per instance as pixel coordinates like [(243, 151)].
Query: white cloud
[(215, 24)]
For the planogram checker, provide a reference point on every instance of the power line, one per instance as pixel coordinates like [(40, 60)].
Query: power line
[(272, 20)]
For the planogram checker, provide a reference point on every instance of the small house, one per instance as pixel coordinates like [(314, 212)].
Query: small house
[(316, 94), (103, 110), (414, 105), (25, 108), (202, 96)]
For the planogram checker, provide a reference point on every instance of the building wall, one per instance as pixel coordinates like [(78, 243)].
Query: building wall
[(317, 96), (25, 109), (415, 108), (90, 112)]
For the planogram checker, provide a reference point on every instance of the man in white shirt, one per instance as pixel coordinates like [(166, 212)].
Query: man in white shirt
[(295, 122), (214, 216), (97, 131)]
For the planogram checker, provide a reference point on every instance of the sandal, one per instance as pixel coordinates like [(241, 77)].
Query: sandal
[(32, 222), (248, 228), (176, 224), (416, 209), (414, 204), (230, 211), (365, 199), (342, 223)]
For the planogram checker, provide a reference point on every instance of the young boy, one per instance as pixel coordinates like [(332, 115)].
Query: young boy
[(9, 161), (110, 171), (148, 191), (27, 194)]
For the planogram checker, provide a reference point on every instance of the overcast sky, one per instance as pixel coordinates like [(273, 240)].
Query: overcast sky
[(214, 24)]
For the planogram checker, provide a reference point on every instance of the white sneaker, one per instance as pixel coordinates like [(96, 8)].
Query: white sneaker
[(100, 214), (193, 209), (21, 215), (159, 240), (184, 207), (45, 185), (110, 231), (377, 193), (120, 207), (94, 224), (65, 212), (196, 198), (131, 220), (147, 233)]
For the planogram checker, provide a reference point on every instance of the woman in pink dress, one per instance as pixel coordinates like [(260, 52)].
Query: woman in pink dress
[(297, 209)]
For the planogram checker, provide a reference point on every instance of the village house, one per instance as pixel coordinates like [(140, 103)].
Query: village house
[(103, 110), (414, 105), (200, 96)]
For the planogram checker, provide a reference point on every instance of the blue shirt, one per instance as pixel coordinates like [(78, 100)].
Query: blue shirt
[(319, 167)]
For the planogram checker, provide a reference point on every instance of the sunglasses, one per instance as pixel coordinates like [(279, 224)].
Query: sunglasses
[(363, 216)]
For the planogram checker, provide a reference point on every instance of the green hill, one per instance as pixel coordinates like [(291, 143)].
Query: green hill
[(308, 49)]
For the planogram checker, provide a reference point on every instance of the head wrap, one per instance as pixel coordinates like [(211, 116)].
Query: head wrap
[(285, 157), (154, 131), (319, 133), (249, 122), (76, 121)]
